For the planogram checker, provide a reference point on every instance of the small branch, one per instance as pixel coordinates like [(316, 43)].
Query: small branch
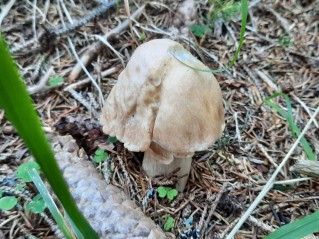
[(5, 10), (41, 86), (80, 98), (283, 22), (267, 79), (213, 208), (88, 80), (270, 159), (37, 67), (308, 167), (237, 127), (127, 9), (87, 72), (265, 227), (306, 108), (60, 30), (82, 21), (97, 47)]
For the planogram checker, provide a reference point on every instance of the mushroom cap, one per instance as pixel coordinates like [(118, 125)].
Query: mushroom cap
[(159, 100)]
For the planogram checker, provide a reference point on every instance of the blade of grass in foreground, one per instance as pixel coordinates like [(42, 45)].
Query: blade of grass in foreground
[(50, 203), (289, 117), (17, 104), (297, 229)]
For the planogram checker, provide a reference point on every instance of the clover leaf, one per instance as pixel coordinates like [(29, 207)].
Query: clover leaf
[(24, 168)]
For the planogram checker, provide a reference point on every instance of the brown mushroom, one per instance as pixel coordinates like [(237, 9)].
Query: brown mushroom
[(163, 108)]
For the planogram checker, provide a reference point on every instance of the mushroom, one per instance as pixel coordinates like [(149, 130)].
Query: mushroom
[(164, 108)]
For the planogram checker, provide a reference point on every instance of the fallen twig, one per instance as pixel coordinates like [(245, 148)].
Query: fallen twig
[(41, 86), (212, 209), (94, 49), (87, 80), (84, 102), (6, 10), (308, 167)]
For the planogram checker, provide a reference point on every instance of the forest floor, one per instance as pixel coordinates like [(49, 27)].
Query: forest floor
[(280, 54)]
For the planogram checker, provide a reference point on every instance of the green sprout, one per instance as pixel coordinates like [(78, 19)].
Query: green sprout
[(23, 170), (224, 9), (199, 30), (142, 37), (20, 186), (112, 139), (168, 192), (8, 202), (285, 40), (37, 205), (55, 81), (100, 156), (169, 223)]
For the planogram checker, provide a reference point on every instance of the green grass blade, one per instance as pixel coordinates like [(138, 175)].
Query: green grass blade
[(274, 95), (295, 131), (297, 229), (244, 14), (50, 203), (17, 104), (75, 229), (289, 107), (277, 108)]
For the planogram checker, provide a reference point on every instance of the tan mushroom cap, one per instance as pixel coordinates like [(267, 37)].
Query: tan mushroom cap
[(158, 99)]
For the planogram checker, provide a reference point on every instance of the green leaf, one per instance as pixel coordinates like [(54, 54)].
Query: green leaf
[(24, 168), (7, 203), (20, 186), (37, 205), (297, 229), (55, 81), (199, 30), (99, 159), (285, 40), (100, 156), (18, 108), (169, 224), (225, 10), (112, 139), (171, 194), (162, 191), (142, 37), (1, 193), (99, 152), (230, 10)]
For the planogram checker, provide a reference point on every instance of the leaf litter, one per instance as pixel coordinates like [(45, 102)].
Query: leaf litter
[(280, 53)]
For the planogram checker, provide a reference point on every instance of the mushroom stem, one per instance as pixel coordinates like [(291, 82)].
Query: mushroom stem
[(153, 166)]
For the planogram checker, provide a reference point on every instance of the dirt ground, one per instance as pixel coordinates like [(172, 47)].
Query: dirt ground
[(280, 53)]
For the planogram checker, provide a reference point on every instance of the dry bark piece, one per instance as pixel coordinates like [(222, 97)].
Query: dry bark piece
[(164, 108), (111, 213), (307, 167)]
